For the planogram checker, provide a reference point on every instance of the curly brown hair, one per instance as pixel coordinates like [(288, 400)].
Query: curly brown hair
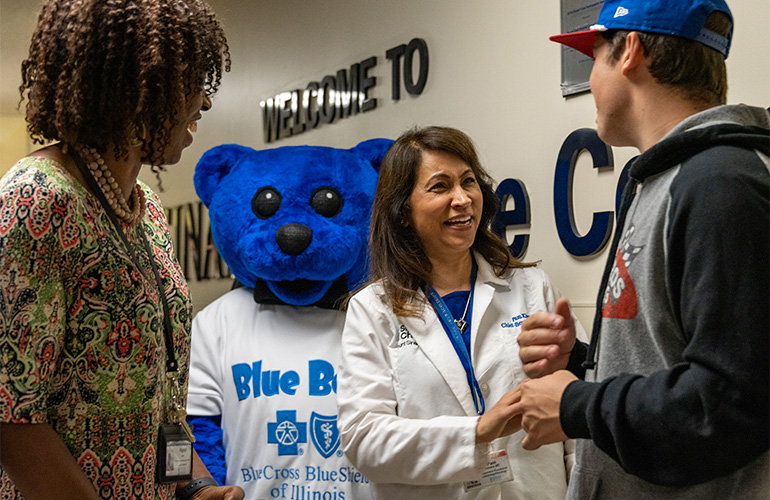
[(397, 255), (111, 72)]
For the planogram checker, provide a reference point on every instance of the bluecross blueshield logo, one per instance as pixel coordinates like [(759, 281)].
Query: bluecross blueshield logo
[(324, 432), (286, 432)]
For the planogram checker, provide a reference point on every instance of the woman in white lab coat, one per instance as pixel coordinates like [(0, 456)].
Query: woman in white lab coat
[(430, 358)]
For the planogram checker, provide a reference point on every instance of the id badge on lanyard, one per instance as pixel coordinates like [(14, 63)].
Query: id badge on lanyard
[(175, 439)]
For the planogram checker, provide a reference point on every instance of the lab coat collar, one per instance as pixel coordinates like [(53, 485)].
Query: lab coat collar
[(486, 273), (432, 339)]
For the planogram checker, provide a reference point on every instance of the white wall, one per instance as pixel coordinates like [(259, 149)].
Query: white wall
[(493, 73)]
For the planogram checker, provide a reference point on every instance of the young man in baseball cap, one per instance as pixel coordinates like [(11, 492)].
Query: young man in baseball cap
[(672, 399)]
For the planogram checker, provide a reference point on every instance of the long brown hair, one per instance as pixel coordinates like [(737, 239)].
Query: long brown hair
[(397, 256), (118, 72)]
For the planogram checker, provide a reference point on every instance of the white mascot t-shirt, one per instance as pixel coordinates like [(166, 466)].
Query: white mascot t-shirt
[(270, 371)]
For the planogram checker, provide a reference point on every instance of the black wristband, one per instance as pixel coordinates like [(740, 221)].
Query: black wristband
[(193, 486)]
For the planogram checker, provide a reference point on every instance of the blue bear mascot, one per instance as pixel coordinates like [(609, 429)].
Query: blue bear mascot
[(292, 224)]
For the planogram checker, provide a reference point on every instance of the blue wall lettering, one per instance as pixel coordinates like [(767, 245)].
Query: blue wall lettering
[(519, 217), (601, 226)]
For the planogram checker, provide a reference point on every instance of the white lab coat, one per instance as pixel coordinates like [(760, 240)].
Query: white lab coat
[(406, 414)]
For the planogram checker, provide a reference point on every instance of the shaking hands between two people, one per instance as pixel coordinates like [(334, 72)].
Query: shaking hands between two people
[(546, 341)]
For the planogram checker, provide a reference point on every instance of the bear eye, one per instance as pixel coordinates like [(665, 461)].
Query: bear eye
[(326, 201), (266, 202)]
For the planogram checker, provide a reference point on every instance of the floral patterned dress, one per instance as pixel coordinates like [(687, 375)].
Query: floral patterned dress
[(81, 327)]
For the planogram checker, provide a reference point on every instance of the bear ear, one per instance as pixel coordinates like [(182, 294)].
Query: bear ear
[(213, 166), (373, 150)]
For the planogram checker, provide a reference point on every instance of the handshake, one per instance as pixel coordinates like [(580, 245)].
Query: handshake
[(545, 343)]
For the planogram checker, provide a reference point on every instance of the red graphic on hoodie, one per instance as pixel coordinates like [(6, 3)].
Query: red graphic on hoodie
[(620, 301)]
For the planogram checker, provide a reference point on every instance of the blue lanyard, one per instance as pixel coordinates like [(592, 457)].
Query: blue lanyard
[(454, 334)]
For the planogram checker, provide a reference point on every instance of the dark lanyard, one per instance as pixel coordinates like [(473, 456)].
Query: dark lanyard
[(456, 337), (171, 362)]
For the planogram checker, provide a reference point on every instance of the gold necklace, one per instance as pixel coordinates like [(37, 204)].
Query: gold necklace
[(111, 189)]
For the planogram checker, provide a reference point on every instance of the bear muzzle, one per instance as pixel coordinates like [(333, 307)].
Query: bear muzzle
[(293, 238)]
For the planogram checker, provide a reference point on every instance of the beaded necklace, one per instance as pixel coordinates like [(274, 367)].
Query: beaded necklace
[(111, 190)]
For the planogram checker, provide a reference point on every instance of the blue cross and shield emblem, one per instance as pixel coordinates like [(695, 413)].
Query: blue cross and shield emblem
[(286, 432), (324, 433)]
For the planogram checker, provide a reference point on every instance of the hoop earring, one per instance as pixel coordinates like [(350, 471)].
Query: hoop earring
[(140, 136)]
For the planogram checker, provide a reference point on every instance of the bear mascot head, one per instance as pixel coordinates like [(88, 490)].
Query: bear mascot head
[(292, 222)]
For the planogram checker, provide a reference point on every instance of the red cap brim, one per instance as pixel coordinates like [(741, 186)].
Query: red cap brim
[(582, 41)]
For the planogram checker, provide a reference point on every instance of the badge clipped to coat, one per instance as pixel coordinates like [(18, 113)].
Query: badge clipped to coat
[(496, 471)]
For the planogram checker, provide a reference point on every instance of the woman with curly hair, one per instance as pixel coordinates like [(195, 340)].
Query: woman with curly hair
[(94, 309)]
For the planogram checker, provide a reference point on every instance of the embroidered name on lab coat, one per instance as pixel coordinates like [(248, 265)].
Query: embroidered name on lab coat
[(404, 338)]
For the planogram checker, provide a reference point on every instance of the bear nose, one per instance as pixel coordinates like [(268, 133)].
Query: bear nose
[(294, 238)]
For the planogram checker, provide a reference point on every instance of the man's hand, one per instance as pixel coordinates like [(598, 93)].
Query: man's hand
[(538, 404), (500, 420), (546, 341)]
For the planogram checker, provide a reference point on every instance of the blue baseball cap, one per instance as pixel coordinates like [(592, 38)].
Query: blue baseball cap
[(683, 18)]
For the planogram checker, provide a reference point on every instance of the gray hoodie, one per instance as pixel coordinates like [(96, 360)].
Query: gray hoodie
[(676, 398)]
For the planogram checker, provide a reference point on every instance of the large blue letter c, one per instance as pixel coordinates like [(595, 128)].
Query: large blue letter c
[(601, 226)]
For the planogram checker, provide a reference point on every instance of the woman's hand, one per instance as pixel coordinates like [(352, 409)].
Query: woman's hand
[(539, 402), (501, 420), (219, 493), (210, 492)]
